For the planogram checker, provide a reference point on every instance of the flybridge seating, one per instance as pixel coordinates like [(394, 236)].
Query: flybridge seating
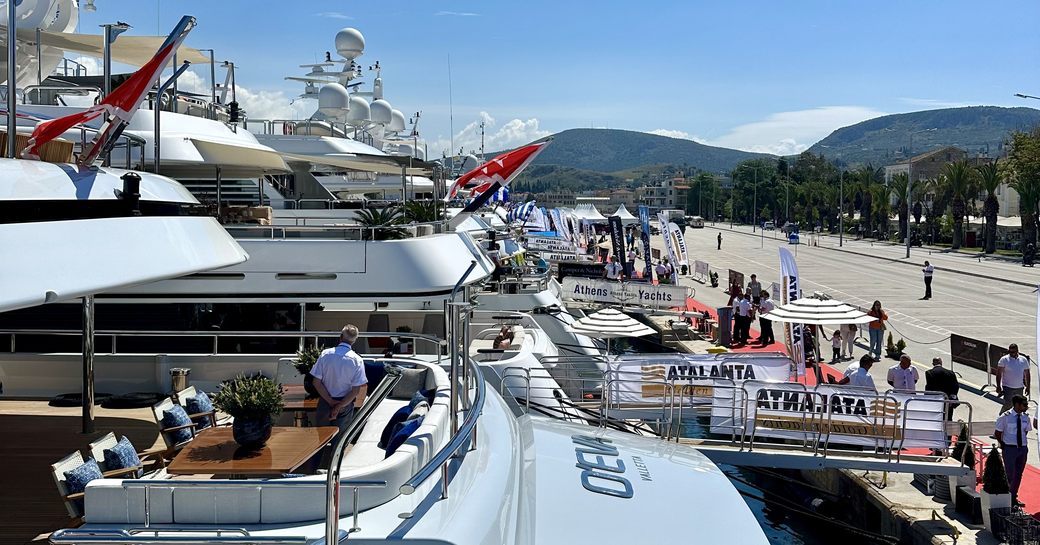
[(299, 499)]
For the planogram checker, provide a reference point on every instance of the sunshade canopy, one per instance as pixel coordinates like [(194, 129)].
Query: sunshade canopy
[(258, 159), (132, 50), (814, 311), (352, 163), (610, 324)]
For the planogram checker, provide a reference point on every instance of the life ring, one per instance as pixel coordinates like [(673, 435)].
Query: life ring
[(288, 128)]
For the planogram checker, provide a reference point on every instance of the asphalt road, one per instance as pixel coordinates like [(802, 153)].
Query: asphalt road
[(990, 300)]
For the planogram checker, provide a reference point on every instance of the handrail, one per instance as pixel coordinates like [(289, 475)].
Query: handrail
[(458, 441), (333, 482), (77, 535)]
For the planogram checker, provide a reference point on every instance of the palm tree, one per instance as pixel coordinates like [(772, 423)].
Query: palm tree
[(990, 179), (380, 222), (423, 211), (880, 208), (959, 179), (900, 190), (1024, 177)]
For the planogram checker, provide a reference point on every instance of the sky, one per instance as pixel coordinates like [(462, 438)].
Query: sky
[(768, 76)]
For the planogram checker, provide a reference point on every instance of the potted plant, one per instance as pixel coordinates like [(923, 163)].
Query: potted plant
[(996, 492), (894, 349), (963, 453), (304, 362), (254, 401)]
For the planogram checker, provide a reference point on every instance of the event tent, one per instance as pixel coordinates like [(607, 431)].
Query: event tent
[(625, 215)]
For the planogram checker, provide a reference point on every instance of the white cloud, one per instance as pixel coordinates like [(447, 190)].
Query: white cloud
[(334, 15), (672, 133), (514, 132), (932, 103), (456, 14), (786, 133), (93, 65)]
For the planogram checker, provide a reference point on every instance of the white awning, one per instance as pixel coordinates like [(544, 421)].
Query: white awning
[(814, 311), (351, 163), (132, 50), (51, 261), (260, 160)]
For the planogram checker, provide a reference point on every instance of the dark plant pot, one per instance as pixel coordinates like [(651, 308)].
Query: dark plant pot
[(308, 386), (252, 433)]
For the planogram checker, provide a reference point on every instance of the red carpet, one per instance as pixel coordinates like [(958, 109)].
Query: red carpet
[(696, 306)]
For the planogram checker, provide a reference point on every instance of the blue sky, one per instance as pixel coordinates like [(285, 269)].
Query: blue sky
[(760, 75)]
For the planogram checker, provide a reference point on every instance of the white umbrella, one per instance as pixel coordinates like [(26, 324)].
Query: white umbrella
[(810, 310), (610, 324)]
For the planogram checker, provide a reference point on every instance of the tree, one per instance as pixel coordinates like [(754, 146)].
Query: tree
[(959, 179), (380, 222), (902, 192), (880, 208), (1023, 161), (990, 179)]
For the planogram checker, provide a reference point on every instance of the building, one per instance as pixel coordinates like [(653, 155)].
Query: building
[(625, 197), (928, 166), (669, 193), (557, 199)]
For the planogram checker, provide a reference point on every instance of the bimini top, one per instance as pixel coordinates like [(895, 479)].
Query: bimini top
[(68, 232)]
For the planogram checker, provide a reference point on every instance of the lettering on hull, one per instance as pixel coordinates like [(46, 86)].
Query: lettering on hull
[(602, 469)]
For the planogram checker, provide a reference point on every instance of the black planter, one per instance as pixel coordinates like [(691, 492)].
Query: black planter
[(252, 433), (308, 385)]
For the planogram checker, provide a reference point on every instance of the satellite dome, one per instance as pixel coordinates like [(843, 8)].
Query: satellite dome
[(396, 121), (360, 112), (381, 111), (333, 100), (470, 162), (350, 44), (377, 88)]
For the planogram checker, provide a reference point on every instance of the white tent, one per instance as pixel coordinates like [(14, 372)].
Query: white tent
[(589, 213), (625, 215), (610, 324)]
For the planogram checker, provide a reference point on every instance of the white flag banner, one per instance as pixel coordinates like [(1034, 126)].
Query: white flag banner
[(841, 414), (677, 245), (594, 290), (791, 290), (550, 244), (1037, 372), (651, 378)]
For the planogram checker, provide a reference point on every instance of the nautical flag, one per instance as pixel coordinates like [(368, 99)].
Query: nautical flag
[(118, 107), (644, 236), (520, 212), (496, 173)]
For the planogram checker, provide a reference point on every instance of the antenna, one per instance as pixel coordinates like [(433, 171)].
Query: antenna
[(451, 114), (481, 140)]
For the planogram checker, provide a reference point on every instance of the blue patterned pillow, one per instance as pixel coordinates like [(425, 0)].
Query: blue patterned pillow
[(172, 418), (200, 404), (122, 456), (400, 416), (401, 434), (76, 479)]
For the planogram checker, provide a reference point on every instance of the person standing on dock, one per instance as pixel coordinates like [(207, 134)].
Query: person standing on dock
[(877, 329), (720, 240), (848, 340), (928, 270), (765, 325), (613, 270), (859, 375), (941, 379), (339, 377), (1012, 431), (1012, 376), (755, 288), (903, 375)]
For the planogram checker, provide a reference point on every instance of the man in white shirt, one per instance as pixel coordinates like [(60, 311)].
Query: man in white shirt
[(903, 375), (1012, 431), (859, 374), (631, 263), (1012, 376), (339, 377), (744, 312), (765, 325), (928, 270), (756, 289), (613, 269)]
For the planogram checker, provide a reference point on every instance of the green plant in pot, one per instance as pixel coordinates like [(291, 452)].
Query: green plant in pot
[(304, 362), (996, 492), (254, 401)]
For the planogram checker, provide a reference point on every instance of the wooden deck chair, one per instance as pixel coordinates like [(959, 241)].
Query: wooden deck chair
[(182, 398), (150, 459), (73, 502), (157, 414)]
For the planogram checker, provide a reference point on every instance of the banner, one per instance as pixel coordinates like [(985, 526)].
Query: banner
[(550, 244), (969, 351), (558, 257), (641, 378), (791, 290), (668, 243), (581, 270), (617, 240), (678, 242), (588, 290), (836, 414), (644, 235), (1037, 415), (561, 224), (700, 268)]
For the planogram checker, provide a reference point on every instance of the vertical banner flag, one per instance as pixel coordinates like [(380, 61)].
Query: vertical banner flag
[(1037, 353), (617, 240), (790, 289), (669, 245), (558, 224), (678, 242), (644, 235)]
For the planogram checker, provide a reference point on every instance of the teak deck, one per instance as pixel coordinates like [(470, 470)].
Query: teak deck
[(214, 452)]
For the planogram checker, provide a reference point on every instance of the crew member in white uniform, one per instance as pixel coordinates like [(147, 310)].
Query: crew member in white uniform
[(1012, 431), (1012, 376)]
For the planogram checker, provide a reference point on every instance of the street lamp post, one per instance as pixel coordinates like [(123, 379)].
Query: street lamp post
[(841, 208)]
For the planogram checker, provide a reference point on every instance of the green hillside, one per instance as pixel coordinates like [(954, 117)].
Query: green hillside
[(883, 140)]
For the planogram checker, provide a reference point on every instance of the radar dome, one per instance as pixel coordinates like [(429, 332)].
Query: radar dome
[(396, 121), (360, 112), (470, 162), (350, 44), (382, 112), (377, 88), (333, 100)]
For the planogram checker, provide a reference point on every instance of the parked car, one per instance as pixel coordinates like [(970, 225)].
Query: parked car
[(768, 226)]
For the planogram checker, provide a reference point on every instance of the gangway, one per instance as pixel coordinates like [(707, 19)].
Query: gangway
[(756, 423)]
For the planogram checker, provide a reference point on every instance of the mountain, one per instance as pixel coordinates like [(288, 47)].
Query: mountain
[(884, 140), (611, 150)]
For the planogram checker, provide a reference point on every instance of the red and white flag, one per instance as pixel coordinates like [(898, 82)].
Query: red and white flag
[(118, 107), (501, 170)]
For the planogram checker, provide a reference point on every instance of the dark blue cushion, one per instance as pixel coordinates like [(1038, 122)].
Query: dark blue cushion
[(401, 434), (422, 395), (122, 456), (400, 416), (176, 417), (76, 479), (374, 372), (200, 404)]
